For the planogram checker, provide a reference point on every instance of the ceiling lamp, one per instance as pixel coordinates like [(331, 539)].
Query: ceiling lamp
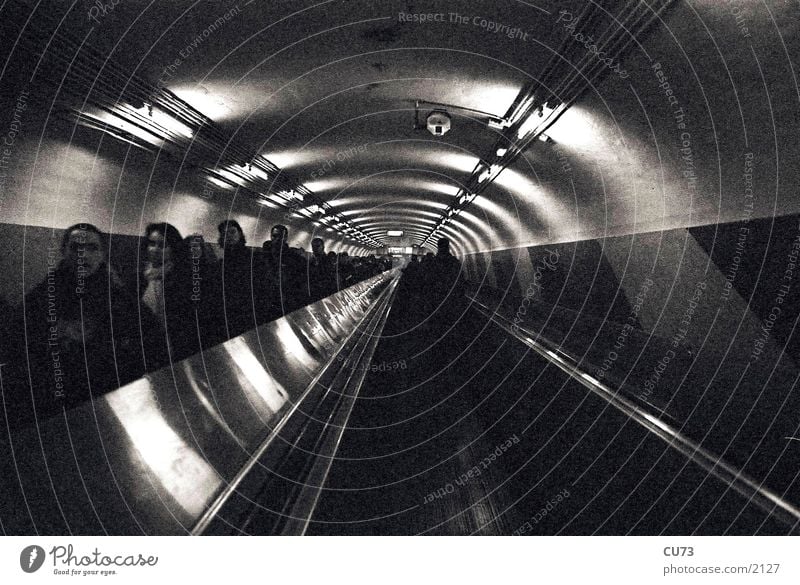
[(529, 126), (519, 111), (290, 194), (164, 120), (315, 209), (219, 183)]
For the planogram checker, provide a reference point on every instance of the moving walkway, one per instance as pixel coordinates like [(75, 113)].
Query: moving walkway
[(340, 418)]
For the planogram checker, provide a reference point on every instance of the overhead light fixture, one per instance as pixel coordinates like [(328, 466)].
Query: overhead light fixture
[(534, 121), (164, 120), (232, 175), (290, 194), (529, 126), (497, 124), (519, 111), (258, 172), (502, 151), (220, 183), (544, 137), (394, 233), (491, 171)]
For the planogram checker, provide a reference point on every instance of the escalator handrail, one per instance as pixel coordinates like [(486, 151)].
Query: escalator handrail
[(350, 391), (222, 498), (735, 478)]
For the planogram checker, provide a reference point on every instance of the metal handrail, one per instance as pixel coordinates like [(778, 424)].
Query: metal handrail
[(223, 497), (734, 478)]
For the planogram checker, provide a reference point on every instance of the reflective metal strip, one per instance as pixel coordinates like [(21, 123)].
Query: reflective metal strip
[(720, 469)]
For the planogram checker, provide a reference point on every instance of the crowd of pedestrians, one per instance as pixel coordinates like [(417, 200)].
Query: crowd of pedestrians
[(84, 330)]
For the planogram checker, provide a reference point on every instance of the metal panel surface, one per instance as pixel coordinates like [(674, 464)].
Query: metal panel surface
[(150, 457)]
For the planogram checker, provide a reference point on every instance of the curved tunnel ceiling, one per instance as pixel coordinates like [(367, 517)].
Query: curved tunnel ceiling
[(327, 92)]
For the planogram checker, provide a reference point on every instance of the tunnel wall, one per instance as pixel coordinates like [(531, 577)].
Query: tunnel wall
[(727, 295)]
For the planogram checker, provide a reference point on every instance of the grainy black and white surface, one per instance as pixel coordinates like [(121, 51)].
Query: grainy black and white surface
[(614, 349)]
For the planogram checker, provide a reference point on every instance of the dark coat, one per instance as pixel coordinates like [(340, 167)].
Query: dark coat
[(320, 278), (242, 290), (82, 341), (285, 280)]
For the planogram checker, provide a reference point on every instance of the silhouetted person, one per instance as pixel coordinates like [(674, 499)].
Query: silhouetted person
[(285, 272), (344, 271), (318, 247), (241, 281), (357, 267), (426, 267), (443, 284), (205, 295), (412, 275), (410, 292), (376, 266), (320, 273), (81, 329), (370, 267), (169, 323)]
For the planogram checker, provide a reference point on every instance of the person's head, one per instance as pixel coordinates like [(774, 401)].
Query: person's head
[(163, 243), (318, 246), (414, 259), (332, 255), (279, 236), (231, 234), (443, 246), (83, 249)]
